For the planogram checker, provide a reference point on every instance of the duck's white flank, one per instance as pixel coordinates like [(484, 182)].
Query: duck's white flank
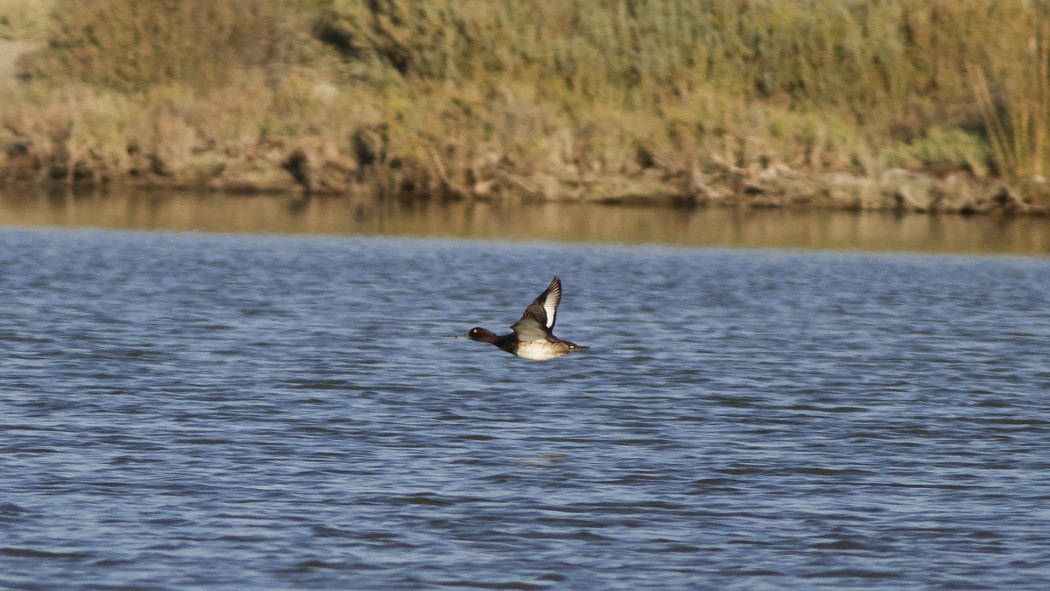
[(540, 350)]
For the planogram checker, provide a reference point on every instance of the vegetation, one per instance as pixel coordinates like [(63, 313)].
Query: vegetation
[(761, 100)]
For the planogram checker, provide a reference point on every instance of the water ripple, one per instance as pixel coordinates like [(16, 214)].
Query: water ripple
[(217, 412)]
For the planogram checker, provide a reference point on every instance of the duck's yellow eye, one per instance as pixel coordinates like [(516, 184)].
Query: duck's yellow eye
[(473, 331)]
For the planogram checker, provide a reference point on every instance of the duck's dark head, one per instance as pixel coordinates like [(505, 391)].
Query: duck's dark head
[(480, 334)]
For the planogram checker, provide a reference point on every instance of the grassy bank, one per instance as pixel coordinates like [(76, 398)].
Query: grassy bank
[(918, 104)]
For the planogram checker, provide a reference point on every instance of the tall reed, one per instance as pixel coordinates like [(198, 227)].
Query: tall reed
[(1016, 109)]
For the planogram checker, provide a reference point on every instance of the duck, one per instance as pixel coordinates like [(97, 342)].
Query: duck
[(532, 338)]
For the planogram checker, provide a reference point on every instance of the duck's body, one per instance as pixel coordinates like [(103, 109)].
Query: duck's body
[(539, 350), (532, 338)]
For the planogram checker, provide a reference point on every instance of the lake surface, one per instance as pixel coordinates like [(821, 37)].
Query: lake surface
[(223, 411)]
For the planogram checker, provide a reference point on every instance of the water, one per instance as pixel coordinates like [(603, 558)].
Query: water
[(208, 411)]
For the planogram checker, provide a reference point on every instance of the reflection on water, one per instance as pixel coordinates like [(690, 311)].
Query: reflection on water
[(577, 222)]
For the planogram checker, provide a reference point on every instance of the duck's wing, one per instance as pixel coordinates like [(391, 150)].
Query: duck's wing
[(538, 319)]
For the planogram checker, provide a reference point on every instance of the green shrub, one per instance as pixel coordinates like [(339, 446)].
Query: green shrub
[(943, 149)]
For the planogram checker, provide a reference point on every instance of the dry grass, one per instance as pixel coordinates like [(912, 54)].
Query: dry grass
[(525, 96), (25, 20), (132, 46)]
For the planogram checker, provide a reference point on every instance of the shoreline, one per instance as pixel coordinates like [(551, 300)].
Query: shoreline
[(484, 102), (716, 185)]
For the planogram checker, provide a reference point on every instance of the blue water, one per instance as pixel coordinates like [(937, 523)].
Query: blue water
[(190, 411)]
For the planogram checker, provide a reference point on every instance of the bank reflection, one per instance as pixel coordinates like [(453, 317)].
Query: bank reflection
[(575, 222)]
